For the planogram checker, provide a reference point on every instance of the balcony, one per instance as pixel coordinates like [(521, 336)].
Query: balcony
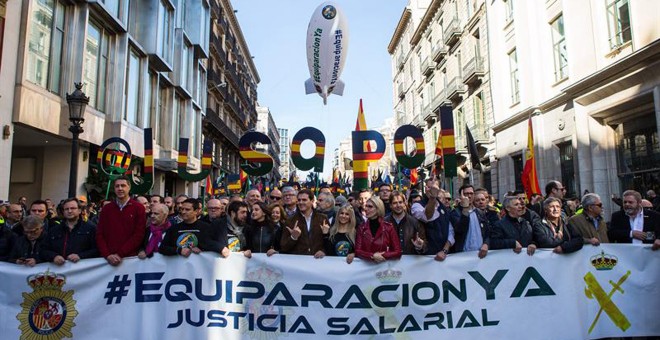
[(400, 61), (439, 52), (455, 89), (473, 71), (219, 125), (481, 134), (461, 142), (418, 121), (427, 67), (400, 91), (452, 33), (439, 100)]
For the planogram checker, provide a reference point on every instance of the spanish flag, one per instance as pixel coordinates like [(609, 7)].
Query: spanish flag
[(361, 125), (208, 188), (529, 179)]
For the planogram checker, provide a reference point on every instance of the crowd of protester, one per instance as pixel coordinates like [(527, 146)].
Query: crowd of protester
[(372, 225)]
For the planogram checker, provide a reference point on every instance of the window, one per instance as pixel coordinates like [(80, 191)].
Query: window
[(162, 112), (96, 65), (508, 10), (112, 6), (164, 31), (45, 40), (567, 167), (132, 88), (559, 48), (515, 82), (176, 119), (186, 62), (151, 101), (195, 138), (618, 22), (517, 170)]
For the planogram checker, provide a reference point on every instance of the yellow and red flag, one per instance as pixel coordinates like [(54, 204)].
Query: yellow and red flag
[(529, 179), (361, 125), (208, 188)]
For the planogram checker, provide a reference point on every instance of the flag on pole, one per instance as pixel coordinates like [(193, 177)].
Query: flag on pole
[(413, 176), (448, 141), (438, 149), (529, 179), (361, 125), (234, 182), (208, 188), (472, 149)]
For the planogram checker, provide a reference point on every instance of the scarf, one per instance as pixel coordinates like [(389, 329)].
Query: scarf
[(156, 236)]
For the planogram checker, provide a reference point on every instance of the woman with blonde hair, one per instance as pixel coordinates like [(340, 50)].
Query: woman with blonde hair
[(340, 238), (376, 239)]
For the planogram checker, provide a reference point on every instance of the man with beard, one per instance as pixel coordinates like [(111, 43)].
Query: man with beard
[(411, 233), (156, 230), (634, 224), (237, 218), (303, 233), (71, 240), (191, 236)]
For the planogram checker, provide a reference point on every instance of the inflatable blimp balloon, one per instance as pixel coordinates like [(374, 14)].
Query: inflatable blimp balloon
[(327, 44)]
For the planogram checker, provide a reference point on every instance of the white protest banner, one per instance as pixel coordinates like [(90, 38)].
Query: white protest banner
[(611, 290)]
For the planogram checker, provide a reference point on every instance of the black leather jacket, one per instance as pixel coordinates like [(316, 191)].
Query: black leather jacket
[(261, 236), (508, 230)]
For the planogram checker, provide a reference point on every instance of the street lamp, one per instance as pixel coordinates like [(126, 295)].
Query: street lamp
[(77, 102)]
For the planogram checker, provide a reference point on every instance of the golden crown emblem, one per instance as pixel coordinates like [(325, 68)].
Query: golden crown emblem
[(604, 261), (46, 281)]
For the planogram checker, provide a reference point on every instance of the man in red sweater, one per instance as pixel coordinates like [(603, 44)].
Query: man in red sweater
[(121, 227)]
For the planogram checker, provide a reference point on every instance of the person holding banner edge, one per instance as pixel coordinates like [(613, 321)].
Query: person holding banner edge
[(438, 225), (513, 231), (376, 239)]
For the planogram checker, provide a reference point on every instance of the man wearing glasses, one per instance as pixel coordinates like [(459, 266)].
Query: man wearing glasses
[(71, 240), (553, 189), (27, 248), (590, 223), (289, 200), (275, 196)]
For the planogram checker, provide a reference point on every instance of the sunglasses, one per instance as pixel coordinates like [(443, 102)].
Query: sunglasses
[(276, 198)]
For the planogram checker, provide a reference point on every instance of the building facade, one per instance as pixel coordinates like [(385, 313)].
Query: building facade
[(232, 88), (266, 125), (286, 168), (439, 60), (143, 64), (591, 88)]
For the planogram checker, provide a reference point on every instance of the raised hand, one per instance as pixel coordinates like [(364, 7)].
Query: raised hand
[(325, 227), (417, 241), (295, 231)]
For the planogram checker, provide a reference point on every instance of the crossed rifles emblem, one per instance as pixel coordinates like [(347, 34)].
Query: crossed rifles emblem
[(594, 290)]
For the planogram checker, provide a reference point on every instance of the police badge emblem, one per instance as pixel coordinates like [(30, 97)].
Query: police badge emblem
[(48, 311)]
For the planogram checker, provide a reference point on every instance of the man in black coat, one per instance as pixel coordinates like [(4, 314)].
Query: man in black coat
[(513, 231), (27, 249), (634, 224), (71, 240)]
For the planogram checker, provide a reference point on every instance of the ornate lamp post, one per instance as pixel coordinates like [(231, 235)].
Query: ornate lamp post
[(77, 102)]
